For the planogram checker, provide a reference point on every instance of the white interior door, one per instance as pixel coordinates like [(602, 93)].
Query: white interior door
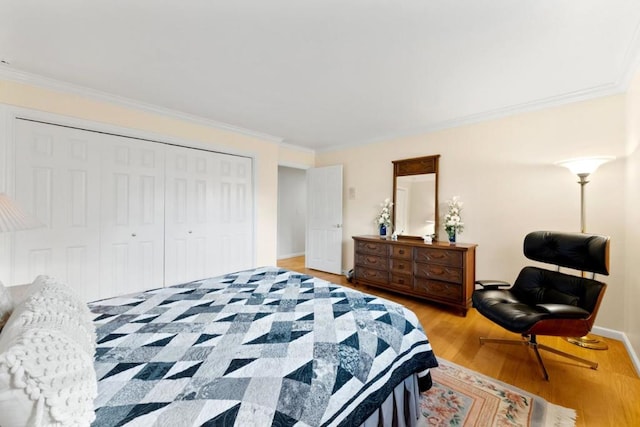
[(58, 181), (132, 225), (324, 219)]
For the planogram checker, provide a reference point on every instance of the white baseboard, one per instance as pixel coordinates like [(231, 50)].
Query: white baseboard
[(620, 336), (285, 256)]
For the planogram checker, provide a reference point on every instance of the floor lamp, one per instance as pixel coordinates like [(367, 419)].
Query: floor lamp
[(583, 167)]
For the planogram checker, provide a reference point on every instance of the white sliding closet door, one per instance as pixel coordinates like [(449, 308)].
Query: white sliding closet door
[(209, 219), (132, 225), (123, 215), (190, 215), (58, 181), (235, 216)]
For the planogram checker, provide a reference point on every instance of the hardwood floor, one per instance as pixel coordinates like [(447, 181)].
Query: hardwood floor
[(608, 396)]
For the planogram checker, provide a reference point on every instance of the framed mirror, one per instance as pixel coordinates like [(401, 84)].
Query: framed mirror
[(415, 196)]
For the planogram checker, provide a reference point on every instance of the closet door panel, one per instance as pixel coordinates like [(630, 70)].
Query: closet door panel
[(58, 181), (177, 239), (235, 216), (191, 205), (132, 209)]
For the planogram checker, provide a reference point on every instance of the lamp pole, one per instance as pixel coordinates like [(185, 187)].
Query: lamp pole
[(587, 341), (583, 216), (583, 167)]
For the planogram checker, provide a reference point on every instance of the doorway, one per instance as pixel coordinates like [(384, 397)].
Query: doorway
[(292, 212)]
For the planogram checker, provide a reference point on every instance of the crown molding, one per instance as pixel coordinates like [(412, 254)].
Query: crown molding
[(7, 73), (300, 148), (632, 62), (630, 66), (599, 91)]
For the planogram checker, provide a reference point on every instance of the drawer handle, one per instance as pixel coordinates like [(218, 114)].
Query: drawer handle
[(401, 281), (401, 267), (401, 251)]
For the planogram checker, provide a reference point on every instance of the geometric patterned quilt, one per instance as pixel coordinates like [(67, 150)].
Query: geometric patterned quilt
[(255, 348)]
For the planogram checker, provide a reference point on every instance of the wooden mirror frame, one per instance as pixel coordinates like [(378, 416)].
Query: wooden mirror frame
[(416, 166)]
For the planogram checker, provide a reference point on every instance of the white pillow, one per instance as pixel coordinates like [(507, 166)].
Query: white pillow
[(46, 379), (46, 360), (53, 305), (6, 305)]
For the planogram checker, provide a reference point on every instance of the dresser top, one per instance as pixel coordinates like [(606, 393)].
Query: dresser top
[(408, 241)]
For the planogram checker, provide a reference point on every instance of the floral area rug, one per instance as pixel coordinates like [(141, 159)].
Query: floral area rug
[(461, 397)]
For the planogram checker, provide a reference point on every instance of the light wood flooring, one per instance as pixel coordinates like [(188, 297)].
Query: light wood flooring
[(608, 396)]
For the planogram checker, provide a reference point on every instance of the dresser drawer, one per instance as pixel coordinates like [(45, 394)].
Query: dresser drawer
[(371, 275), (439, 272), (435, 288), (372, 248), (439, 256), (401, 280), (373, 261), (401, 252), (401, 266)]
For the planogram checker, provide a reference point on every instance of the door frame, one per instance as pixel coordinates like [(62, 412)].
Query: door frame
[(302, 168)]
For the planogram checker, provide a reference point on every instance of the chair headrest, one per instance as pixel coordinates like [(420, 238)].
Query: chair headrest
[(579, 251)]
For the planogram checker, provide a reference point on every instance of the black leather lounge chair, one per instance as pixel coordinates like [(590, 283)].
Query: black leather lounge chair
[(547, 302)]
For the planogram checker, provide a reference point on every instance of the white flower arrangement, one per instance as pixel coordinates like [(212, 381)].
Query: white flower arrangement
[(452, 221), (384, 217)]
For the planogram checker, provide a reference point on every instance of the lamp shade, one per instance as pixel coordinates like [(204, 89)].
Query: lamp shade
[(584, 165), (13, 218)]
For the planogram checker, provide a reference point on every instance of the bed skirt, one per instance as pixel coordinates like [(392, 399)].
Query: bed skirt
[(400, 408)]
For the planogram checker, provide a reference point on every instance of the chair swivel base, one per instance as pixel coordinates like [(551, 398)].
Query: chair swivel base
[(530, 341), (588, 341)]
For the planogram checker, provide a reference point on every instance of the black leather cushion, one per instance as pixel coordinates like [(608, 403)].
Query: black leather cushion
[(580, 251), (538, 294), (504, 308), (540, 286), (564, 311)]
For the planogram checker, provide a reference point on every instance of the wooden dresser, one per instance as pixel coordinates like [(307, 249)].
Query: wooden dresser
[(440, 271)]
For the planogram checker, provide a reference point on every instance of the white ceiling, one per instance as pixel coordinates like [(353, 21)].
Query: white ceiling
[(329, 73)]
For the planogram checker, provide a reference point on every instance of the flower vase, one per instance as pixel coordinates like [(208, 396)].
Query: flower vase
[(452, 236), (383, 231)]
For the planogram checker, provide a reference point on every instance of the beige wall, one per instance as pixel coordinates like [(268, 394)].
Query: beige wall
[(295, 157), (504, 172), (265, 152), (632, 230)]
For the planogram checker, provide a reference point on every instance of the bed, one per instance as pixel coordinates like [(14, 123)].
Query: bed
[(260, 347)]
